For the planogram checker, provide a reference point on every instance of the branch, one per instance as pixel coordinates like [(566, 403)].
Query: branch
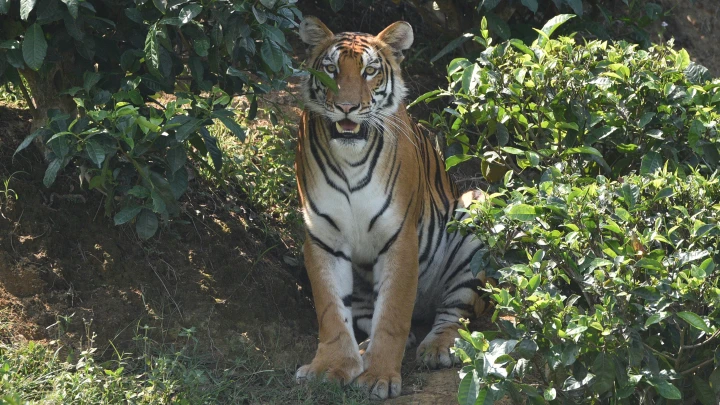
[(699, 366), (667, 356), (695, 346)]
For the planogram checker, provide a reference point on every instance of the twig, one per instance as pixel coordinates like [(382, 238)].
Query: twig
[(682, 345), (667, 356), (695, 346), (699, 366)]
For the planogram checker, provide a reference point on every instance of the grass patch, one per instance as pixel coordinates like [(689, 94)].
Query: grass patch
[(179, 373)]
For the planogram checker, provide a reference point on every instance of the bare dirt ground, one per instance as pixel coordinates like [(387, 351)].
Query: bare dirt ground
[(695, 25)]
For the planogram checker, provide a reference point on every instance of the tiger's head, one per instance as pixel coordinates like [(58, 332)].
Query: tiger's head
[(366, 69)]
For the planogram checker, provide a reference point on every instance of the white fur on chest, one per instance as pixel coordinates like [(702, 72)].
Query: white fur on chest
[(353, 214)]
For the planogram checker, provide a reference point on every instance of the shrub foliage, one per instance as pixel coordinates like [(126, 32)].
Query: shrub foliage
[(109, 62), (600, 223)]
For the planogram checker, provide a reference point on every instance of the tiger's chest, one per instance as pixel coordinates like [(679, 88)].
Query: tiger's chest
[(356, 208)]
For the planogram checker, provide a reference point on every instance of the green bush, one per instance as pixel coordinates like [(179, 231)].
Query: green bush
[(601, 108), (609, 292), (97, 71), (600, 223)]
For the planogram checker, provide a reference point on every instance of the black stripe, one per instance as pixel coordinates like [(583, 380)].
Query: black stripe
[(366, 180), (347, 300), (392, 239), (431, 235), (322, 245), (321, 165), (387, 202), (463, 265), (472, 284), (367, 155)]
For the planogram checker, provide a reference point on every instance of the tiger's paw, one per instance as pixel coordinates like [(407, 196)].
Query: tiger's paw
[(434, 351), (380, 384), (342, 370)]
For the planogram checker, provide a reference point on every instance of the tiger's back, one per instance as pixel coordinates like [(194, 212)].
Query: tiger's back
[(376, 202)]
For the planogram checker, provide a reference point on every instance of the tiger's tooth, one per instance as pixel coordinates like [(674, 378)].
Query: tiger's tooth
[(338, 127), (357, 129)]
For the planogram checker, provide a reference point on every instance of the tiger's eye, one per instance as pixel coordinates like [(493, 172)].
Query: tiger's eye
[(370, 70), (330, 68)]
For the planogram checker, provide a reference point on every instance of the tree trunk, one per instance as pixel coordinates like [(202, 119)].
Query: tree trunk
[(45, 87)]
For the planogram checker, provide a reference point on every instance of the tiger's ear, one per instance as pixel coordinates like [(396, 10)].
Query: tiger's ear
[(399, 35), (313, 31)]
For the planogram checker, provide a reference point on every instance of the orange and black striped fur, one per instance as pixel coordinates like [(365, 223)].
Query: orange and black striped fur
[(376, 202)]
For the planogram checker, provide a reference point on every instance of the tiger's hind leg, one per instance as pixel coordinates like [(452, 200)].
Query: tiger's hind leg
[(460, 298)]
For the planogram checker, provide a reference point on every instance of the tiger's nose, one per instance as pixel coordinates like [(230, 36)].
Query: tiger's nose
[(347, 107)]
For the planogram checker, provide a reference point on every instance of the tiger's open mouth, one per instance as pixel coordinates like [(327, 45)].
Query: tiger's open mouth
[(348, 129)]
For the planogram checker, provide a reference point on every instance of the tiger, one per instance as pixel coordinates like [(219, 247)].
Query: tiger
[(376, 201)]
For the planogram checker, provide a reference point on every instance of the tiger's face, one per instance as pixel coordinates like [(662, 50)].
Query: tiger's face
[(366, 69)]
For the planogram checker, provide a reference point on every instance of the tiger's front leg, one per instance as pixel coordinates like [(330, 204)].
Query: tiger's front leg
[(337, 357), (396, 288)]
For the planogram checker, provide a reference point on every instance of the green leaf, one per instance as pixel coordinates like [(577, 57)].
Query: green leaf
[(139, 192), (478, 262), (72, 6), (28, 140), (146, 224), (161, 5), (682, 60), (4, 6), (189, 12), (233, 126), (656, 318), (470, 78), (90, 79), (34, 47), (697, 130), (549, 394), (695, 321), (451, 46), (665, 388), (651, 162), (604, 369), (503, 135), (664, 193), (630, 194), (325, 79), (511, 150), (551, 26), (212, 148), (645, 119), (533, 283), (96, 152), (456, 159), (52, 171), (127, 214), (417, 100), (708, 266), (498, 25), (152, 52), (649, 264), (272, 54), (703, 391), (532, 5), (576, 5), (521, 212), (176, 158), (582, 149), (26, 7), (469, 389)]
